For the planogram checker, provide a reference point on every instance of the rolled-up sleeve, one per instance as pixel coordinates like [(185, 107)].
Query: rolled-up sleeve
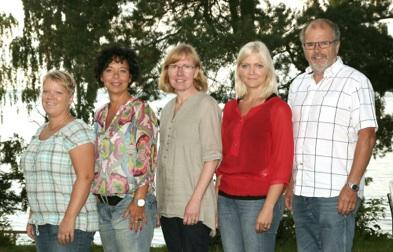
[(210, 130)]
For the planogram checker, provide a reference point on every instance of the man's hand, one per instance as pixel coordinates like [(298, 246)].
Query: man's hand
[(346, 200)]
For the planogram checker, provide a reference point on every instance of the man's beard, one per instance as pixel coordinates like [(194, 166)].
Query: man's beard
[(322, 65)]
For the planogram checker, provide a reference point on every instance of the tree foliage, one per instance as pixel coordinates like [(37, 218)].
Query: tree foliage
[(7, 22), (9, 175), (68, 35)]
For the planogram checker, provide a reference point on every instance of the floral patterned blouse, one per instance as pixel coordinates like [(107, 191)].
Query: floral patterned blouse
[(126, 150)]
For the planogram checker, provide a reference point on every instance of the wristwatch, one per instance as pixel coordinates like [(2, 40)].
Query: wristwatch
[(354, 187), (140, 202)]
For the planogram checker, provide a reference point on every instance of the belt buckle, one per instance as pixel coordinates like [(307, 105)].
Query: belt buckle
[(102, 198), (109, 200)]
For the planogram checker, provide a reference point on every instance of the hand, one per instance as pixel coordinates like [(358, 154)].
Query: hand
[(288, 196), (217, 184), (217, 188), (66, 231), (264, 219), (158, 222), (346, 200), (191, 212), (136, 216), (30, 231)]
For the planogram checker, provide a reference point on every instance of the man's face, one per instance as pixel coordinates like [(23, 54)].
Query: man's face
[(320, 58)]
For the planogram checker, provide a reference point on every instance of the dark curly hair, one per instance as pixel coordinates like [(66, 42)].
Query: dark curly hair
[(118, 53)]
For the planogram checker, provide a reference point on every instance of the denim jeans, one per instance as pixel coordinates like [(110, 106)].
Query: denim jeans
[(115, 232), (319, 227), (185, 238), (46, 240), (237, 219)]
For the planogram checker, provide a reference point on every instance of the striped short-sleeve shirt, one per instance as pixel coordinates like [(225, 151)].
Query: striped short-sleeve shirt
[(49, 176), (326, 119)]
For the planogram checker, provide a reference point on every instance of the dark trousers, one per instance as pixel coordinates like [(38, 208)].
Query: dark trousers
[(185, 238)]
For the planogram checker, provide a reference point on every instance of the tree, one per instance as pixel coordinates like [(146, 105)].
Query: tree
[(68, 35), (64, 34), (7, 22), (10, 200)]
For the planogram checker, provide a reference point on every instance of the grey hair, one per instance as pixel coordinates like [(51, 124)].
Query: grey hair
[(331, 24)]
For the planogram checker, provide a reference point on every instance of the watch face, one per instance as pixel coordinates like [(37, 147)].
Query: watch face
[(354, 187), (140, 202)]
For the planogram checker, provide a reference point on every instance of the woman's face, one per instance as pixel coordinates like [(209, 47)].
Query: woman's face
[(56, 99), (116, 77), (181, 75), (252, 71)]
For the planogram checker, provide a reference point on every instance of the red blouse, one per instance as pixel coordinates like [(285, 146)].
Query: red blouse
[(257, 148)]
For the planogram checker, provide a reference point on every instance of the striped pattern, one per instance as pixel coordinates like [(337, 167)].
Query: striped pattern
[(326, 119)]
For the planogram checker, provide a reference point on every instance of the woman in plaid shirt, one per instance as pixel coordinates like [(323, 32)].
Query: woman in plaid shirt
[(58, 166)]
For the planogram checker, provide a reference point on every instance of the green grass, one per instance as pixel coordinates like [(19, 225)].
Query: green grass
[(360, 245)]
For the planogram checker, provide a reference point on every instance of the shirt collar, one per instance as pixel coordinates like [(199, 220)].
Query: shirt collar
[(331, 70)]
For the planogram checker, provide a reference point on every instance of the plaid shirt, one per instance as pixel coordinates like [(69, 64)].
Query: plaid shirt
[(326, 119), (50, 176)]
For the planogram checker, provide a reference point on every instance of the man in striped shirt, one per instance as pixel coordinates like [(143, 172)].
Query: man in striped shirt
[(334, 124)]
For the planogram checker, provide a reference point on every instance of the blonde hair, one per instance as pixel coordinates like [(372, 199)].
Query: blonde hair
[(63, 78), (175, 54), (260, 49)]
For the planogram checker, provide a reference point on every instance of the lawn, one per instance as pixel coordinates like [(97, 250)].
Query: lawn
[(360, 245)]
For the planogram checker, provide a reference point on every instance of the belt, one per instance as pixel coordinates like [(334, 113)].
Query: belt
[(110, 200)]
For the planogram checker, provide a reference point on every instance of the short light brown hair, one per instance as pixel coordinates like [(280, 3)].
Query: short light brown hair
[(175, 54), (63, 78)]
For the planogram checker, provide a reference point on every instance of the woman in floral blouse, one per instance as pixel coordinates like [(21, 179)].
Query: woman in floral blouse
[(126, 131)]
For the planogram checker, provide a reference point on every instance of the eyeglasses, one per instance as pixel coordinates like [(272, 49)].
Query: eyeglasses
[(184, 68), (321, 44)]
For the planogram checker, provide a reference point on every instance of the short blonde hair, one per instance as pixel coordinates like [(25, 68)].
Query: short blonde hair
[(62, 77), (259, 48), (175, 54)]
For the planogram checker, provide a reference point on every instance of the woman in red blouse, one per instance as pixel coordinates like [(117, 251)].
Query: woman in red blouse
[(257, 160)]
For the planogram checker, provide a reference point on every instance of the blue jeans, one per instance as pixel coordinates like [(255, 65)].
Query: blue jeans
[(46, 240), (237, 219), (319, 227), (115, 232)]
